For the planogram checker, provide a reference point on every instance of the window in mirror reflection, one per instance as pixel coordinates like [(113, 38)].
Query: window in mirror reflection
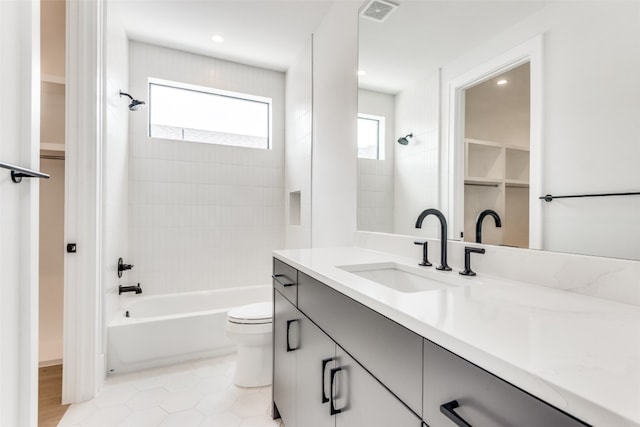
[(370, 137)]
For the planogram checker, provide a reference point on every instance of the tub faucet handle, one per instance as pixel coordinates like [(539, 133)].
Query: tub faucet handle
[(123, 267)]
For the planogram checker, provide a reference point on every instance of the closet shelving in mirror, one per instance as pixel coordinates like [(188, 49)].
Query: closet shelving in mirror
[(493, 164), (52, 78), (497, 177), (52, 125)]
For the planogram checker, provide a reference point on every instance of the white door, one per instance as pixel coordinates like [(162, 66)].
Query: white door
[(19, 145)]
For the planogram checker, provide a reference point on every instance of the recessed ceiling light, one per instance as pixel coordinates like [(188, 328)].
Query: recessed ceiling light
[(217, 38), (502, 82), (361, 72)]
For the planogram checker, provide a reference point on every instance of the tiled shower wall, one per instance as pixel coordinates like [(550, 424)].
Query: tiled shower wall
[(298, 152), (416, 169), (375, 177), (203, 216)]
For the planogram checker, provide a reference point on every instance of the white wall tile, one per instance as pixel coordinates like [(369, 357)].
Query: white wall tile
[(375, 177), (297, 176), (417, 112), (197, 210)]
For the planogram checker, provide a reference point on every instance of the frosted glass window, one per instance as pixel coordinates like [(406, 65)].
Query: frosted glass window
[(200, 114), (370, 137)]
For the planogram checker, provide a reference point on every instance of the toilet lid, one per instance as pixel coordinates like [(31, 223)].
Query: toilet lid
[(253, 313)]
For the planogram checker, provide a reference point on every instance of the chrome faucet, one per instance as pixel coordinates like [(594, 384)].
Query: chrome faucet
[(443, 235), (483, 214)]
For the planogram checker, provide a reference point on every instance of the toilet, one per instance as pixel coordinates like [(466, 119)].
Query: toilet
[(250, 326)]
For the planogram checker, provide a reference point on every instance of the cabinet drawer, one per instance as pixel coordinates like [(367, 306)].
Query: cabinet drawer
[(285, 280), (392, 353), (483, 399)]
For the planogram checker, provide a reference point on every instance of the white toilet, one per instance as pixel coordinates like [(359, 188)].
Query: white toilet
[(250, 326)]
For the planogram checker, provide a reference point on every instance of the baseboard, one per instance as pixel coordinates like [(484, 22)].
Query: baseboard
[(45, 363)]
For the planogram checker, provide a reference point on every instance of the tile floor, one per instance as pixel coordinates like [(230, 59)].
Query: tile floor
[(193, 394)]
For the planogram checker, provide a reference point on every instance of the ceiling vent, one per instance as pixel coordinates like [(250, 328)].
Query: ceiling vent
[(377, 10)]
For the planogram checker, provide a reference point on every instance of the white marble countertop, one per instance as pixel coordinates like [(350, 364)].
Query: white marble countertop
[(579, 353)]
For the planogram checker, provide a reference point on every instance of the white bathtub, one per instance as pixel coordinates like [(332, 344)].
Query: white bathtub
[(166, 329)]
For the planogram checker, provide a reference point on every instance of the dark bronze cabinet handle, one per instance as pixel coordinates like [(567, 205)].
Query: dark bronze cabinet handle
[(325, 362), (286, 285), (289, 348), (448, 409), (332, 407)]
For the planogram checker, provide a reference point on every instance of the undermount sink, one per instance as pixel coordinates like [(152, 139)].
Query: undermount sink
[(400, 277)]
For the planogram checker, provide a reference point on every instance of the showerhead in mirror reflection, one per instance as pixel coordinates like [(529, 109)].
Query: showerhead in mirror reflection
[(404, 140)]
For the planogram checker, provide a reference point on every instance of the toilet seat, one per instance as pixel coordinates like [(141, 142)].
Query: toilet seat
[(252, 314)]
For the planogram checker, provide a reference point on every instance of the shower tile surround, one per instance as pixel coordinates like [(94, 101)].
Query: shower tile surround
[(199, 214), (375, 176), (418, 112)]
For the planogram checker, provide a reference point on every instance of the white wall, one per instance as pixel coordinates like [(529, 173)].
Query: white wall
[(202, 216), (375, 177), (335, 107), (417, 182), (19, 144), (590, 127), (297, 160), (115, 233)]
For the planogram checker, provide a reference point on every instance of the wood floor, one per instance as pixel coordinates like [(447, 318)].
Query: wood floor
[(50, 411)]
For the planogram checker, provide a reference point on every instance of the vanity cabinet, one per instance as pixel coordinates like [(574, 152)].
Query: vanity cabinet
[(303, 360), (339, 363), (458, 392), (318, 384), (391, 352)]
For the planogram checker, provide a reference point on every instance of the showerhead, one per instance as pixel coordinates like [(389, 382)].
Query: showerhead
[(135, 105), (405, 139)]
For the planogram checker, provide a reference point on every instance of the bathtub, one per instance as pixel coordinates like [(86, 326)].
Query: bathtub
[(166, 329)]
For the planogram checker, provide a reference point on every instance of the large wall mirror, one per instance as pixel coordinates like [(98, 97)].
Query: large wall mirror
[(480, 108)]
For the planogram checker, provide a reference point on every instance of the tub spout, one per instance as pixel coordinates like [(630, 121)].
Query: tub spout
[(122, 289)]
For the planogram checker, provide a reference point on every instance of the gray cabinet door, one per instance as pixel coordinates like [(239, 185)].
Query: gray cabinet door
[(482, 399), (286, 319), (363, 401), (316, 358), (392, 353)]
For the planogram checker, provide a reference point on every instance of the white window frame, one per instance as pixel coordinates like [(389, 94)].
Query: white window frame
[(381, 134), (212, 91)]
